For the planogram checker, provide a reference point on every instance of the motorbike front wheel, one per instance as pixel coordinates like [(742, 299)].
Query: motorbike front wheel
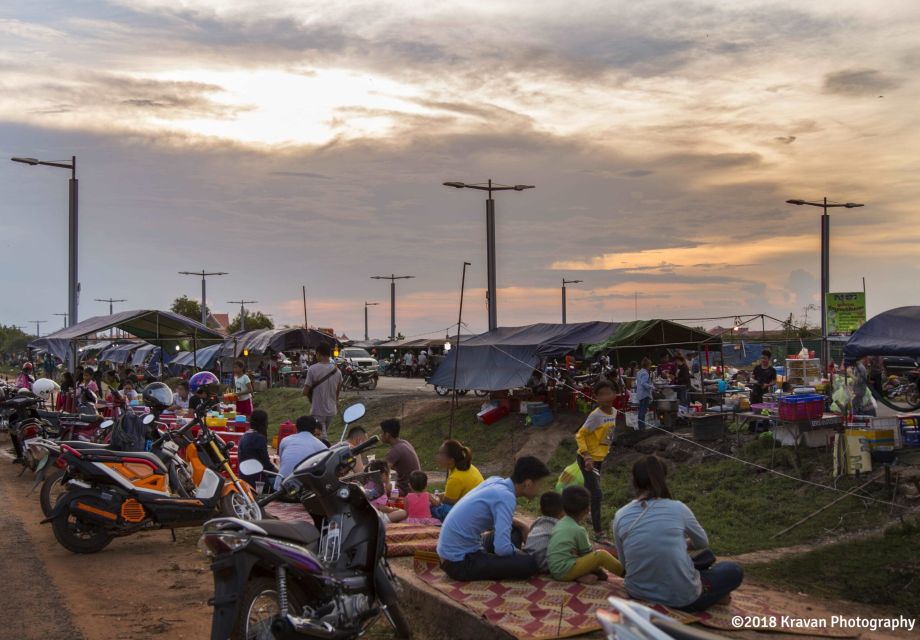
[(52, 489), (372, 384), (78, 536), (259, 607), (235, 505), (387, 595), (441, 391)]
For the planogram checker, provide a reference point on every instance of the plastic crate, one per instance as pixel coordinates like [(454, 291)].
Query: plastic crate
[(801, 407)]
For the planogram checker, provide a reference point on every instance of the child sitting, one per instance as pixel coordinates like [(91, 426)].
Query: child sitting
[(418, 501), (128, 392), (542, 528), (570, 555), (393, 514)]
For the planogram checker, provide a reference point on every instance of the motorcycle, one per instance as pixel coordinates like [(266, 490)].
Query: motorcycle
[(25, 426), (290, 580), (633, 621), (117, 493), (358, 377)]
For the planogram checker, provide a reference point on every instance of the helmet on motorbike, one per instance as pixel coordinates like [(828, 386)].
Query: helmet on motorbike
[(204, 380), (157, 395), (27, 366), (44, 387)]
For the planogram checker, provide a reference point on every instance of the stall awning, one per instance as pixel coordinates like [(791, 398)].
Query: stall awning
[(163, 328), (203, 358), (141, 353), (664, 334), (262, 341), (119, 353), (504, 358), (895, 332)]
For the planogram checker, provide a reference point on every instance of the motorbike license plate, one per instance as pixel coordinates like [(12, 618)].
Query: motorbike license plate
[(171, 447)]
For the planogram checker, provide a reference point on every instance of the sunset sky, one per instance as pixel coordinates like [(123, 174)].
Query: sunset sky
[(293, 143)]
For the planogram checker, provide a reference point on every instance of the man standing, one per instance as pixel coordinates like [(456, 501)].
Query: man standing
[(322, 387), (401, 456), (296, 448), (48, 366), (490, 507), (764, 376)]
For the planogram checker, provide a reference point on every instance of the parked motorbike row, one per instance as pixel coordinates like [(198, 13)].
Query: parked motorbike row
[(103, 479)]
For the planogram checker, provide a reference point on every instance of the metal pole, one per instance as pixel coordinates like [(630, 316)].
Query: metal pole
[(453, 404), (305, 325), (563, 302), (825, 280), (366, 338), (204, 305), (392, 309), (73, 284), (490, 247)]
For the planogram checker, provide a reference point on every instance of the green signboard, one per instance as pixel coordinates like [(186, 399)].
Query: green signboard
[(846, 312)]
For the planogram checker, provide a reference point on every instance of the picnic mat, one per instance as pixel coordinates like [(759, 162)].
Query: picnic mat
[(541, 609), (403, 539)]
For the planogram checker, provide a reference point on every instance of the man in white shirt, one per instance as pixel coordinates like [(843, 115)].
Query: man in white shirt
[(322, 385)]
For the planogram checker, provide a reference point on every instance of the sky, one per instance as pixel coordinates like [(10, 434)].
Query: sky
[(306, 143)]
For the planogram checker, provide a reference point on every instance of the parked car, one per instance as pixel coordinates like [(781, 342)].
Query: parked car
[(357, 357)]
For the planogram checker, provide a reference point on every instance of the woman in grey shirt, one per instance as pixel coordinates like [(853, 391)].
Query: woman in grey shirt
[(653, 534)]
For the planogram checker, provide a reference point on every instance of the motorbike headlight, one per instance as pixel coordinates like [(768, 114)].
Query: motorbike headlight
[(220, 543)]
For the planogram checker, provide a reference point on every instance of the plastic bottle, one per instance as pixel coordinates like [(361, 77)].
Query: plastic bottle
[(394, 494)]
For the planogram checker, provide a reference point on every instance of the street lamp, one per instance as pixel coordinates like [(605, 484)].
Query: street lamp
[(392, 279), (38, 334), (491, 294), (111, 301), (64, 316), (242, 310), (565, 282), (73, 286), (204, 304), (825, 259), (366, 305)]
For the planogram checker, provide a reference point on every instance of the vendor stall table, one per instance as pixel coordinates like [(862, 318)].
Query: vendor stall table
[(794, 429)]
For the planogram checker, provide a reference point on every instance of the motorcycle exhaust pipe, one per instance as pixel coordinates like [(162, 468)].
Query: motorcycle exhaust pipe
[(295, 628)]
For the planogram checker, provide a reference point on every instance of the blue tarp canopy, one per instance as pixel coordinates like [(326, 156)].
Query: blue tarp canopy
[(119, 353), (205, 358), (895, 332), (141, 353), (505, 358)]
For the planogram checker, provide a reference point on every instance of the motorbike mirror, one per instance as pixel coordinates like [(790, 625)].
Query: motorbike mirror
[(106, 424), (147, 419), (250, 467), (353, 413)]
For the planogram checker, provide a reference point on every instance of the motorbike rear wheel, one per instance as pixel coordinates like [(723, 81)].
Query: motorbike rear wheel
[(52, 489), (259, 607), (78, 536), (387, 595), (441, 391)]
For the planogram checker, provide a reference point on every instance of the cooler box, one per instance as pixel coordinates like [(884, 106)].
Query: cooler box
[(801, 407), (286, 429), (880, 442), (909, 426), (542, 419), (534, 408), (492, 415)]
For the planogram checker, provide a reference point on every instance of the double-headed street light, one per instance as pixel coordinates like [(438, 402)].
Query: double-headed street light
[(366, 305), (825, 204), (64, 315), (204, 298), (73, 285), (565, 282), (392, 279), (38, 334), (492, 293), (242, 304)]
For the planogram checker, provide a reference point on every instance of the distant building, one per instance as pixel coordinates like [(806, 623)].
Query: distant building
[(219, 321)]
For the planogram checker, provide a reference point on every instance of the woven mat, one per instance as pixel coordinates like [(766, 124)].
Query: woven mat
[(542, 609), (403, 539)]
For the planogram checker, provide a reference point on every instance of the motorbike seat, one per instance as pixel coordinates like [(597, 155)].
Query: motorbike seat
[(106, 453), (295, 531), (81, 445)]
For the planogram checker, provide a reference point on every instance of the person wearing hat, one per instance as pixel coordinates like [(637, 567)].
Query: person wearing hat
[(296, 448)]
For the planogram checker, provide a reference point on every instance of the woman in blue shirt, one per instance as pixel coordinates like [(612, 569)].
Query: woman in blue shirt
[(254, 445), (644, 389)]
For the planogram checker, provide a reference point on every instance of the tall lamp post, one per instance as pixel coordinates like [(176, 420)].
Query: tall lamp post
[(492, 293), (204, 298), (242, 304), (64, 316), (392, 278), (73, 285), (565, 282), (38, 333), (366, 305), (825, 260), (111, 302)]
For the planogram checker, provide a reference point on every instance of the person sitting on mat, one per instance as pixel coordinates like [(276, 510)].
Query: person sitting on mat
[(465, 554), (570, 555), (542, 528), (651, 535)]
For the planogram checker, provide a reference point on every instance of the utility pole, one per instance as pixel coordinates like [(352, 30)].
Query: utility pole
[(111, 302), (392, 278), (492, 289), (204, 298), (38, 333), (65, 318), (453, 402), (305, 324), (565, 282), (366, 305), (242, 304)]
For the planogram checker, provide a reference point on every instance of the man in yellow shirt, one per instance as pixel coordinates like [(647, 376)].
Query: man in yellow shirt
[(593, 439)]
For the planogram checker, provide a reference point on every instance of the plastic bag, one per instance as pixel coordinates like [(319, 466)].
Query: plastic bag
[(571, 476)]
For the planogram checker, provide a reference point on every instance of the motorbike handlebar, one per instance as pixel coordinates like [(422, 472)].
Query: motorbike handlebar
[(367, 444)]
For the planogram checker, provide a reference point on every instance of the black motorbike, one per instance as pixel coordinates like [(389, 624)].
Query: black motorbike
[(355, 377), (292, 580)]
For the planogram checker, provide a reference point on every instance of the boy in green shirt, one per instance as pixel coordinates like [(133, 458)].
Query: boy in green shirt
[(570, 555)]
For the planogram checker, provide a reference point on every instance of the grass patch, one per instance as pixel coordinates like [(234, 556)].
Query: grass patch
[(742, 507), (883, 570)]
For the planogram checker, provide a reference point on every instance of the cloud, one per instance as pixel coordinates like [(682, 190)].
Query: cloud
[(785, 139), (859, 82)]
